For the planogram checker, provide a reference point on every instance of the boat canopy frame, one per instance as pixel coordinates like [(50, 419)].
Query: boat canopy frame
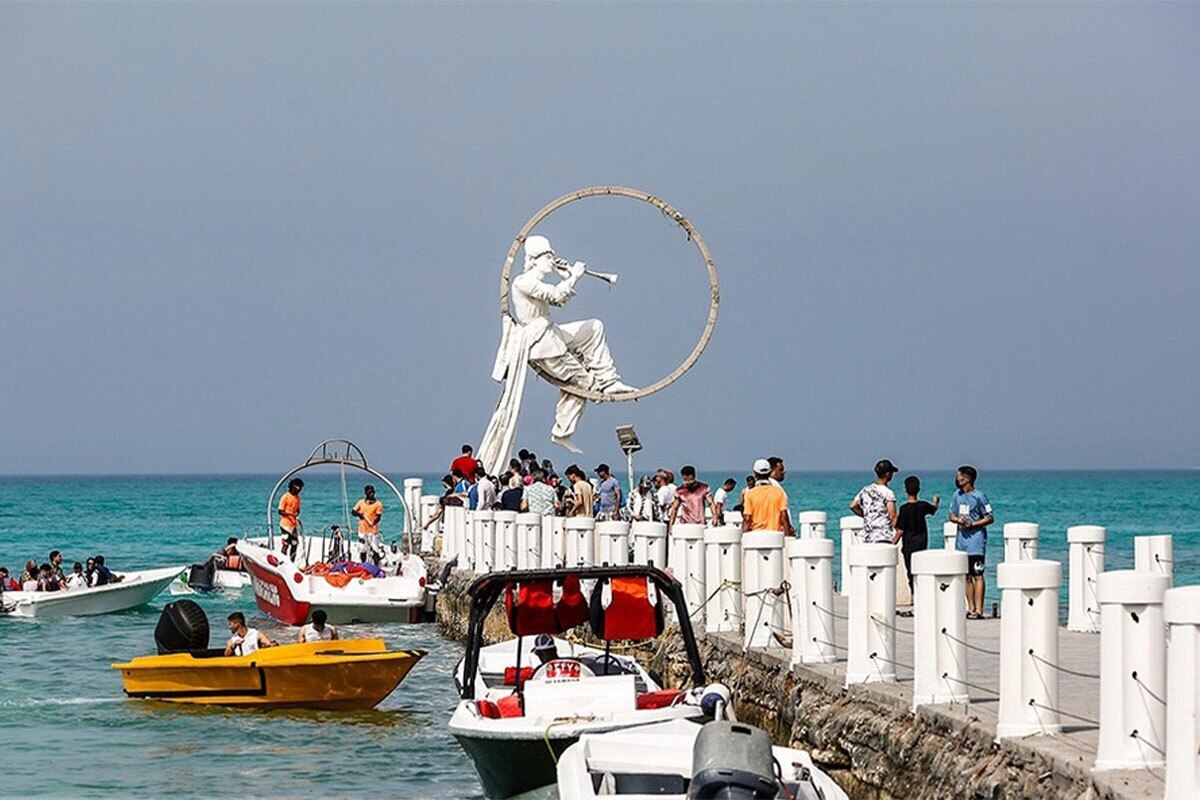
[(345, 453), (485, 590)]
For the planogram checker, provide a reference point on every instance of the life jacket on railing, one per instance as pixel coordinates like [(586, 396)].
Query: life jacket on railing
[(233, 562), (626, 607)]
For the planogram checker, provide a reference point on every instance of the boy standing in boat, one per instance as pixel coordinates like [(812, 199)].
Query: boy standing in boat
[(289, 518), (369, 511)]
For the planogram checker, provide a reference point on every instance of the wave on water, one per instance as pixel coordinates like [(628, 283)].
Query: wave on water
[(34, 702)]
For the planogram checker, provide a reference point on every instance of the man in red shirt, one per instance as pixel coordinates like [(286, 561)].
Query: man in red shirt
[(465, 463), (691, 499)]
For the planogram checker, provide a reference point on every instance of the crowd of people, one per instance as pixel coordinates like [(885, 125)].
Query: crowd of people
[(533, 485), (50, 576)]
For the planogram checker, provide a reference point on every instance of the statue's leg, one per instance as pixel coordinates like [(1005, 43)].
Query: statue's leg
[(567, 369), (585, 338)]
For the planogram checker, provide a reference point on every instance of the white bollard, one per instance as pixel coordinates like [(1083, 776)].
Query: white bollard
[(904, 595), (762, 572), (412, 507), (428, 508), (852, 528), (529, 540), (1020, 541), (950, 535), (613, 536), (1133, 670), (1028, 642), (871, 638), (485, 540), (1155, 554), (466, 540), (649, 543), (506, 539), (1085, 564), (580, 536), (686, 559), (939, 627), (812, 600), (811, 524), (557, 545), (723, 577), (451, 547), (1181, 610)]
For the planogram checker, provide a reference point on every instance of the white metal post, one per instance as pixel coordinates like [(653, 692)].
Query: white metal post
[(1181, 610), (1028, 646), (852, 528), (871, 643), (762, 572), (723, 577), (812, 600), (1086, 563), (613, 536), (939, 627), (1020, 541)]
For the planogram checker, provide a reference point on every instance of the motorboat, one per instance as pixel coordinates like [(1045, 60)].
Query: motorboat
[(515, 719), (135, 589), (322, 572), (209, 578), (288, 593), (341, 674), (682, 759)]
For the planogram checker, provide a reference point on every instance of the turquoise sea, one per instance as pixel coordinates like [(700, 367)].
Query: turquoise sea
[(66, 729)]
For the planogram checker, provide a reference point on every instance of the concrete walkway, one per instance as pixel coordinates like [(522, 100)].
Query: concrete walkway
[(1079, 689)]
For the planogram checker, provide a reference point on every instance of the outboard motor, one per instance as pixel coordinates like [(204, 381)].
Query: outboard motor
[(202, 577), (732, 761), (182, 628)]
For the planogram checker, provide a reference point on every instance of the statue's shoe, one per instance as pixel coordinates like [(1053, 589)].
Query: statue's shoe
[(565, 442), (617, 387)]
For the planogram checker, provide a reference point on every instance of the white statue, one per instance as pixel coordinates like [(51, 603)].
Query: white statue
[(573, 353)]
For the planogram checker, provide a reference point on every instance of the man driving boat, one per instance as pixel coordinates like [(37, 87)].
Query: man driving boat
[(245, 640)]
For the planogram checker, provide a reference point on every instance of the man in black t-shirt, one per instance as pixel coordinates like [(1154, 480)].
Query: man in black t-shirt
[(911, 529)]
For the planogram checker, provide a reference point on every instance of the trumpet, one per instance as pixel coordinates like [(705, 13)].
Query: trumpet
[(561, 265)]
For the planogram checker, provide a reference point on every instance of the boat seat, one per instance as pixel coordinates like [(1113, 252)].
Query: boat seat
[(660, 699), (504, 708)]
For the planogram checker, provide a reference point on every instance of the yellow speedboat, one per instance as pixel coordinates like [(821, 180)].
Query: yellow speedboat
[(339, 674), (331, 674)]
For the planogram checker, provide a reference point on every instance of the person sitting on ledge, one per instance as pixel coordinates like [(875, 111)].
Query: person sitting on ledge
[(244, 640)]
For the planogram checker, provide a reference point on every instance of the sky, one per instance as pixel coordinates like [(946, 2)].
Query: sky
[(943, 233)]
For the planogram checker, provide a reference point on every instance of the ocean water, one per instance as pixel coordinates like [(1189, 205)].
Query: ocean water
[(67, 729)]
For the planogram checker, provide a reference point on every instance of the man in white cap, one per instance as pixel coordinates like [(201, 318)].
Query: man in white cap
[(766, 505), (574, 353)]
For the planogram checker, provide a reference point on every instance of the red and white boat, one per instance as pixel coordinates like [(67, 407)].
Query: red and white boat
[(289, 591), (289, 595)]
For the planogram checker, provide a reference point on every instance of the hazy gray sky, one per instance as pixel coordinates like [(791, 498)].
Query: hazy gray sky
[(943, 232)]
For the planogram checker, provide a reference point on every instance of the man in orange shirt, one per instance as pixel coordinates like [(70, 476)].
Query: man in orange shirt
[(289, 518), (766, 505), (369, 511)]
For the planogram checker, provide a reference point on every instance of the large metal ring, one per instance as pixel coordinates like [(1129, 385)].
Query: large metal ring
[(693, 236)]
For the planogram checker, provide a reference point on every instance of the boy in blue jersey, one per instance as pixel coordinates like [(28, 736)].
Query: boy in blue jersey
[(971, 510)]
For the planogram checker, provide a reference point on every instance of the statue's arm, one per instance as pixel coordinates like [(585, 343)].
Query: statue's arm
[(556, 295)]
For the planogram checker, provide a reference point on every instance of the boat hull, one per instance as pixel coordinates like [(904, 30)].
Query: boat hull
[(509, 767), (289, 596), (335, 675), (138, 589)]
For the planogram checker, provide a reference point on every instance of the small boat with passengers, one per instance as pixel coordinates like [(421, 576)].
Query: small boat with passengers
[(338, 674), (323, 574), (134, 589), (515, 718)]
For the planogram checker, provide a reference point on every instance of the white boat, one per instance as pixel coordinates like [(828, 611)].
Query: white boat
[(135, 589), (662, 760), (285, 592), (224, 580), (514, 720)]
